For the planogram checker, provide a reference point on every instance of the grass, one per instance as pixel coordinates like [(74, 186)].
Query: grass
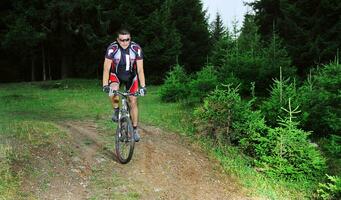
[(29, 111), (170, 116)]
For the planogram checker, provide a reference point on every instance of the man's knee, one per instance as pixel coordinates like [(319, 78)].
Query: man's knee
[(133, 102)]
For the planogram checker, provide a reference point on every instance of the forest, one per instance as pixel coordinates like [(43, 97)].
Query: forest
[(60, 39), (271, 88)]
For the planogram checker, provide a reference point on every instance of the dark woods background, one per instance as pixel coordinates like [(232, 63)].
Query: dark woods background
[(56, 39)]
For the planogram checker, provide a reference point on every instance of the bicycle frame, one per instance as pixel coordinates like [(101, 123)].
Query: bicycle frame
[(124, 111), (124, 138)]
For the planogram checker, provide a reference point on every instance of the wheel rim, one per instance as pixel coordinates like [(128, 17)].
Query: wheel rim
[(124, 142)]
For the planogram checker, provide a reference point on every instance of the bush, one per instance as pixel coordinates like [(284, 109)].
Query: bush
[(286, 151), (280, 93), (175, 86), (205, 81), (331, 147), (250, 130), (321, 96), (279, 152), (245, 69), (229, 120), (330, 190), (214, 118)]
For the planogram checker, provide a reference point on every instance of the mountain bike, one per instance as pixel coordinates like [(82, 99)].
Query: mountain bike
[(124, 137)]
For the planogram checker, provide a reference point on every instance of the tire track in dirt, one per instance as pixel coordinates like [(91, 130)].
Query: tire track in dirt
[(164, 166), (84, 145)]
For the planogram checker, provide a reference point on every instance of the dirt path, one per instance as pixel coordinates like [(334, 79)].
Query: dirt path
[(164, 166)]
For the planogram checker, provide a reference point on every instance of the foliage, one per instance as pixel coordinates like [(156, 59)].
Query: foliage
[(202, 84), (221, 48), (249, 59), (332, 146), (249, 40), (175, 86), (277, 59), (217, 30), (309, 29), (281, 151), (62, 39), (280, 93), (321, 97), (286, 152), (190, 21), (330, 190), (162, 40), (216, 116)]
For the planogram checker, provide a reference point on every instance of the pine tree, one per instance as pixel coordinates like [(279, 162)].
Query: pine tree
[(161, 43), (249, 39), (189, 19), (309, 29), (217, 29)]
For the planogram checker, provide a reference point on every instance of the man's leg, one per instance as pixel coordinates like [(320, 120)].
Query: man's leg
[(115, 101), (134, 116), (133, 110)]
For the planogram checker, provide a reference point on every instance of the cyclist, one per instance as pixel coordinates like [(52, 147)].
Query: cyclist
[(123, 64)]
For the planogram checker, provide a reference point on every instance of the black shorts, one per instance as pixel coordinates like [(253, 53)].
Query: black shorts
[(131, 83)]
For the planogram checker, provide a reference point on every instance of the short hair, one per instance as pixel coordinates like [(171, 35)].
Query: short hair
[(123, 31)]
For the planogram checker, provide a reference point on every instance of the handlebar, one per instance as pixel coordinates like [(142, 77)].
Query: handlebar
[(124, 94)]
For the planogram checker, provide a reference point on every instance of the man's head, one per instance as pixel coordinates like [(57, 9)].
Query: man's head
[(123, 38)]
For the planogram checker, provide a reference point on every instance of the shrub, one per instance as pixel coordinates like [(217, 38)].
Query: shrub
[(229, 120), (175, 86), (280, 93), (214, 118), (250, 130), (204, 82), (321, 97), (330, 190), (286, 151), (331, 147), (245, 69)]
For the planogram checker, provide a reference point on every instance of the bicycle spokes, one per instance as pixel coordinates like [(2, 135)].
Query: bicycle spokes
[(124, 141)]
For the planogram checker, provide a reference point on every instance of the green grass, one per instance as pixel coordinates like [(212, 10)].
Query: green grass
[(169, 116), (29, 112)]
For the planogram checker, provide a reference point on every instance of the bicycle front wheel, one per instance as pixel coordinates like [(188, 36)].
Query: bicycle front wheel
[(124, 140)]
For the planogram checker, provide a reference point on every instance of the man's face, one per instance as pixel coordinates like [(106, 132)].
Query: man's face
[(124, 41)]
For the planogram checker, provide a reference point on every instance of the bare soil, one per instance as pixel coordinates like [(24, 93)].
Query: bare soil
[(164, 166)]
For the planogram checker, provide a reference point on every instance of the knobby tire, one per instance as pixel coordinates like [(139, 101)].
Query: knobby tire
[(124, 140)]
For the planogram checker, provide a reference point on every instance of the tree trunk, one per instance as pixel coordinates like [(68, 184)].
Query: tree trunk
[(49, 65), (44, 63), (65, 70), (33, 76)]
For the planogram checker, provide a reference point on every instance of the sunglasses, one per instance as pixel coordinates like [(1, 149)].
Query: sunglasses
[(124, 40)]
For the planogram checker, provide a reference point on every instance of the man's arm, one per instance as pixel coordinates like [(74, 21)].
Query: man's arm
[(141, 73), (106, 70)]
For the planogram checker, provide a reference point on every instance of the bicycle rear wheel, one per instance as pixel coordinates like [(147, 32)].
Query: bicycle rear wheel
[(124, 140)]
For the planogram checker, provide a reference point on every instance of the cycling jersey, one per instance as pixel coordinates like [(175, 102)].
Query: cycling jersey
[(123, 66)]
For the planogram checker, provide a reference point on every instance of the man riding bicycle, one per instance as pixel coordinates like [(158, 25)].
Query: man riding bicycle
[(123, 64)]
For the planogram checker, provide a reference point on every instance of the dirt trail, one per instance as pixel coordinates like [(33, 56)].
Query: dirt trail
[(164, 166)]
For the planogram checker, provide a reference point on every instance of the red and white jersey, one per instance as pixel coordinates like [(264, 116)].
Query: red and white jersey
[(132, 54)]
